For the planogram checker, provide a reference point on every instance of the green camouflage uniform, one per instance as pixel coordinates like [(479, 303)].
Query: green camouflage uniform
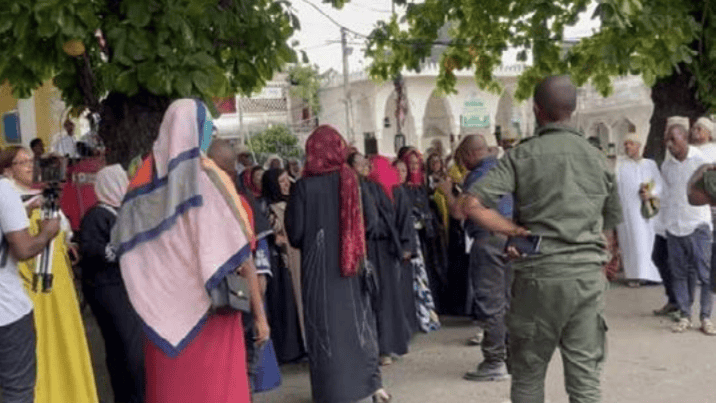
[(564, 192)]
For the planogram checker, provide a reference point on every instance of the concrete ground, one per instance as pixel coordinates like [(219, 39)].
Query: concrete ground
[(646, 362)]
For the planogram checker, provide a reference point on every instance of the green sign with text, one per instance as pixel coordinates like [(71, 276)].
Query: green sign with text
[(475, 114)]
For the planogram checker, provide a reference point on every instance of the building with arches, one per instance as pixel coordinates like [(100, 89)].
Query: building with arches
[(627, 110), (426, 115)]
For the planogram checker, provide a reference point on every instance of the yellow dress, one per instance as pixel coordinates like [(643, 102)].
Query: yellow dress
[(64, 366)]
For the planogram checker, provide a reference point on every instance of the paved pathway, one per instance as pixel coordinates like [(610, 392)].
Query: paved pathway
[(646, 363)]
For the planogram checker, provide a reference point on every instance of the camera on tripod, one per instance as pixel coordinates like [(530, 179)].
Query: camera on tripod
[(50, 172)]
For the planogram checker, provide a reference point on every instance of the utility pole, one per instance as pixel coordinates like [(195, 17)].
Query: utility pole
[(346, 85), (242, 137)]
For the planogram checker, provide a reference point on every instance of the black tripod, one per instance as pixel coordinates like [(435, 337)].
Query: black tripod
[(42, 277)]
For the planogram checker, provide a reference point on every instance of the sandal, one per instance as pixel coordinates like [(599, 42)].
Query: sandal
[(683, 325), (381, 396), (707, 327)]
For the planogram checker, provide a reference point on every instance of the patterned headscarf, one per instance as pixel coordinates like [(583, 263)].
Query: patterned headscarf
[(180, 230), (414, 179), (326, 152), (385, 174)]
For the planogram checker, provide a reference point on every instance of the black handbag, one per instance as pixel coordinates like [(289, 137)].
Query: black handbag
[(232, 293)]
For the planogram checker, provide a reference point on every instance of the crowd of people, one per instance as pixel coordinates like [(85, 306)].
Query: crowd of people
[(206, 271), (665, 238)]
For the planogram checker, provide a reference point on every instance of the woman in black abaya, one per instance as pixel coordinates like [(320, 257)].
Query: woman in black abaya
[(324, 220), (283, 312)]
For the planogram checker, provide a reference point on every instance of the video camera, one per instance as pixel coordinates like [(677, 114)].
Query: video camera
[(50, 171)]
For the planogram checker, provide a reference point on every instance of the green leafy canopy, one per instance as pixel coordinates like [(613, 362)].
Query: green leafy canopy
[(645, 37), (275, 140), (174, 48), (305, 83)]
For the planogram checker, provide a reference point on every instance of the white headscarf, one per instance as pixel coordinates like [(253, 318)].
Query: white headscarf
[(272, 157), (111, 185)]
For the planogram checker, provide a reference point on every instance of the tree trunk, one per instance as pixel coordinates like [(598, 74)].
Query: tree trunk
[(672, 96)]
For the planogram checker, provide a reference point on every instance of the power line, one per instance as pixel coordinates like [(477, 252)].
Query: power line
[(336, 23), (377, 10), (327, 43), (396, 41), (449, 42)]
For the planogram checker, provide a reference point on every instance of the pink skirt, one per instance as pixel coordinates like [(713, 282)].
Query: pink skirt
[(211, 369)]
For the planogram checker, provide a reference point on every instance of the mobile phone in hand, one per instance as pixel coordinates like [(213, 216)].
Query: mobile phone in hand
[(526, 245)]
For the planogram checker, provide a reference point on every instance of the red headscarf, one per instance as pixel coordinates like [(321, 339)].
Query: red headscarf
[(414, 178), (326, 152), (384, 173), (247, 177)]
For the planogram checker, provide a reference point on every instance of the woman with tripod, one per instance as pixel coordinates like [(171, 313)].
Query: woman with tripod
[(64, 368)]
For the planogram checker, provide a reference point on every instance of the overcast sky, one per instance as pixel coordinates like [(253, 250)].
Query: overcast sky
[(320, 37)]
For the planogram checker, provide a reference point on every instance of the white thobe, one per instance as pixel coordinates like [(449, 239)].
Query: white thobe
[(636, 233), (708, 150)]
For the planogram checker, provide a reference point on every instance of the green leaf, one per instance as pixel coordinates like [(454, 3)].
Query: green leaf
[(183, 85), (201, 80), (139, 44), (138, 13), (120, 52), (43, 5), (5, 24), (21, 25), (186, 33), (46, 25), (200, 59), (145, 72), (127, 83)]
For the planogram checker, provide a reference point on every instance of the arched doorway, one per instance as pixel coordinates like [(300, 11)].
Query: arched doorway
[(390, 126), (620, 129), (602, 132), (437, 123), (506, 119)]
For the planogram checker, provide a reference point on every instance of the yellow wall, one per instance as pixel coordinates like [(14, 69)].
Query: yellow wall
[(7, 103), (46, 120)]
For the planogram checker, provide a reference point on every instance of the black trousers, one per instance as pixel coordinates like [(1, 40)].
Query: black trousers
[(18, 363), (660, 257), (490, 279), (123, 339)]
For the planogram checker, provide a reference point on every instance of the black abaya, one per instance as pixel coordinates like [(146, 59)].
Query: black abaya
[(282, 311), (405, 224), (340, 325), (385, 251), (121, 326), (432, 242)]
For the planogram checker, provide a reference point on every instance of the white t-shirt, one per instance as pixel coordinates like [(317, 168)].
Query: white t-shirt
[(65, 145), (14, 303), (680, 218)]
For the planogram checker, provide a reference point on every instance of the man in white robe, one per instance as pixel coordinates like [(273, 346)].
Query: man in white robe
[(636, 233), (701, 137)]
